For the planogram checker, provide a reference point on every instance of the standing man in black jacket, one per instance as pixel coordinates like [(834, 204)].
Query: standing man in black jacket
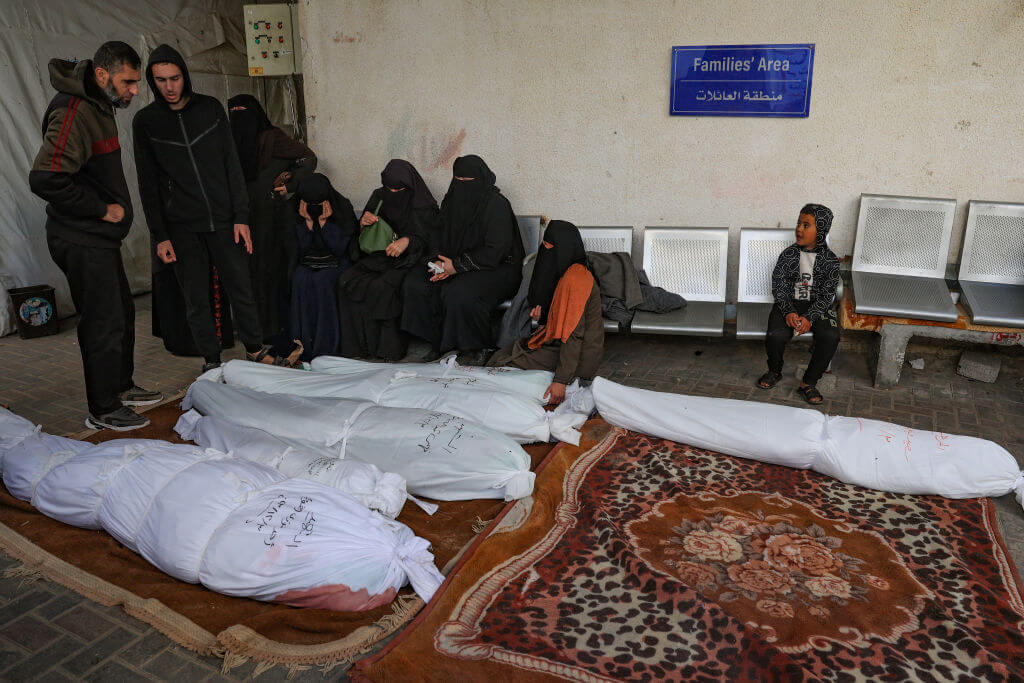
[(193, 193), (89, 211)]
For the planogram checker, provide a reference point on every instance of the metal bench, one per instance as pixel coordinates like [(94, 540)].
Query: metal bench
[(759, 252), (899, 257), (608, 239), (691, 262), (992, 264)]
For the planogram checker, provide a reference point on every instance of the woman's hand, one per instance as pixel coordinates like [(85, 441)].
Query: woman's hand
[(327, 212), (535, 312), (555, 393), (791, 320), (448, 268), (396, 248), (803, 325), (367, 220)]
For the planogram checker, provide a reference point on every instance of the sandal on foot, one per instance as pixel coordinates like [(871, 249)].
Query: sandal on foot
[(258, 356), (769, 379), (810, 394)]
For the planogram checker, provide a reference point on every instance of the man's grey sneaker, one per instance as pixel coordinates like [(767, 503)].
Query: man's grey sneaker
[(211, 365), (124, 419), (137, 396)]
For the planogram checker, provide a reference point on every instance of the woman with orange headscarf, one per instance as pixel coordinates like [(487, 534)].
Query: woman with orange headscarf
[(566, 302)]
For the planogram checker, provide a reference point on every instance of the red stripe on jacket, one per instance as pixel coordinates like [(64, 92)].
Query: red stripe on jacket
[(65, 130), (106, 146)]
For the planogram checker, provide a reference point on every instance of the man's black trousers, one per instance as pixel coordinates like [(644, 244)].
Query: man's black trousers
[(195, 251), (106, 323)]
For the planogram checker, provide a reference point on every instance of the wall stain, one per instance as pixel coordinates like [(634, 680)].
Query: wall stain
[(962, 125), (340, 37), (450, 151)]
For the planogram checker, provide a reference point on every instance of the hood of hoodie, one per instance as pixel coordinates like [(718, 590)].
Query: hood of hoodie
[(75, 78), (167, 54)]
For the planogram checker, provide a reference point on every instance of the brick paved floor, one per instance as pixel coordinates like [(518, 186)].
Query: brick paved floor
[(48, 633)]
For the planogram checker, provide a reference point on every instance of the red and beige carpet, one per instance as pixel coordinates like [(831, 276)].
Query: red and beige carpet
[(642, 559)]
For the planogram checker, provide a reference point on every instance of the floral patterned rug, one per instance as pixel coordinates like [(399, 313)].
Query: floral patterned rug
[(643, 559)]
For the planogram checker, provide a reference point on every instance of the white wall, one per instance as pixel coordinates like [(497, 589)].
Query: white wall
[(568, 103)]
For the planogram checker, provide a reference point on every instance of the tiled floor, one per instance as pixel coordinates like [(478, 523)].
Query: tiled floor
[(50, 633)]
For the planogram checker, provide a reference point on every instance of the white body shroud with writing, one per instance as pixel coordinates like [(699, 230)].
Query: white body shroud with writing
[(478, 397), (237, 527), (869, 453), (439, 455)]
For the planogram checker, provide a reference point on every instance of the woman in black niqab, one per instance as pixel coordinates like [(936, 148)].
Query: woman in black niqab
[(477, 260), (326, 232), (273, 164), (552, 262), (370, 293)]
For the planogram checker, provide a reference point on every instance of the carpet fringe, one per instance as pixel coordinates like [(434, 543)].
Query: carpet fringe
[(25, 573), (231, 660), (401, 610)]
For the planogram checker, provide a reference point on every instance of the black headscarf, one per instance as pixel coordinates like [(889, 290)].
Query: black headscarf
[(822, 219), (566, 249), (246, 126), (464, 200), (414, 195), (317, 189)]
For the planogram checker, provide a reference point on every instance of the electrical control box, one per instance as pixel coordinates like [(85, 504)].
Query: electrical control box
[(272, 39)]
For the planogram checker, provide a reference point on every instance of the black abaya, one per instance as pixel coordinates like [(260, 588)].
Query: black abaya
[(480, 235), (266, 152)]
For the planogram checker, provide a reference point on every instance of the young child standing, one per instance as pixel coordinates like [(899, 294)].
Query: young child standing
[(804, 286)]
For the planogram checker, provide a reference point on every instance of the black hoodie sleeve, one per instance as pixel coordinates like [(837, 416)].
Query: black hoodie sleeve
[(233, 167), (782, 284), (149, 190), (826, 279)]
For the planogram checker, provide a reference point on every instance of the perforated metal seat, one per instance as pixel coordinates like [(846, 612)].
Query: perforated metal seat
[(691, 262), (992, 264), (608, 239), (899, 258), (759, 251)]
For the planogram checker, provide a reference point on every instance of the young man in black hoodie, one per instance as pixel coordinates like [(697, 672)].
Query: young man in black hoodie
[(89, 211), (193, 193)]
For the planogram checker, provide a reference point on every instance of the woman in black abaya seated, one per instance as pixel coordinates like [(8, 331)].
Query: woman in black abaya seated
[(274, 164), (370, 293), (475, 264), (327, 235), (566, 302)]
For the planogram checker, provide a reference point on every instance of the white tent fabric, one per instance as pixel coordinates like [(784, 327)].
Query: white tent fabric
[(235, 526), (208, 33), (869, 453)]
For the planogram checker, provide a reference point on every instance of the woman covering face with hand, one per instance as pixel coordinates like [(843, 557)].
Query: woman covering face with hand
[(370, 293), (565, 300), (474, 265), (326, 231)]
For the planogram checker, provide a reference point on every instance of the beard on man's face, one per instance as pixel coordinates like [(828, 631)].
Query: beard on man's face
[(115, 99)]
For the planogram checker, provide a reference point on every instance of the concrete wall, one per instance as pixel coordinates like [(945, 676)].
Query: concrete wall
[(568, 103)]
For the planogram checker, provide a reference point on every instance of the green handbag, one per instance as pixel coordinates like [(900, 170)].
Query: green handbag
[(378, 236)]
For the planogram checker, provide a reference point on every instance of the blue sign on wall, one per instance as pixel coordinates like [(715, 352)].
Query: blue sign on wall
[(742, 80)]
